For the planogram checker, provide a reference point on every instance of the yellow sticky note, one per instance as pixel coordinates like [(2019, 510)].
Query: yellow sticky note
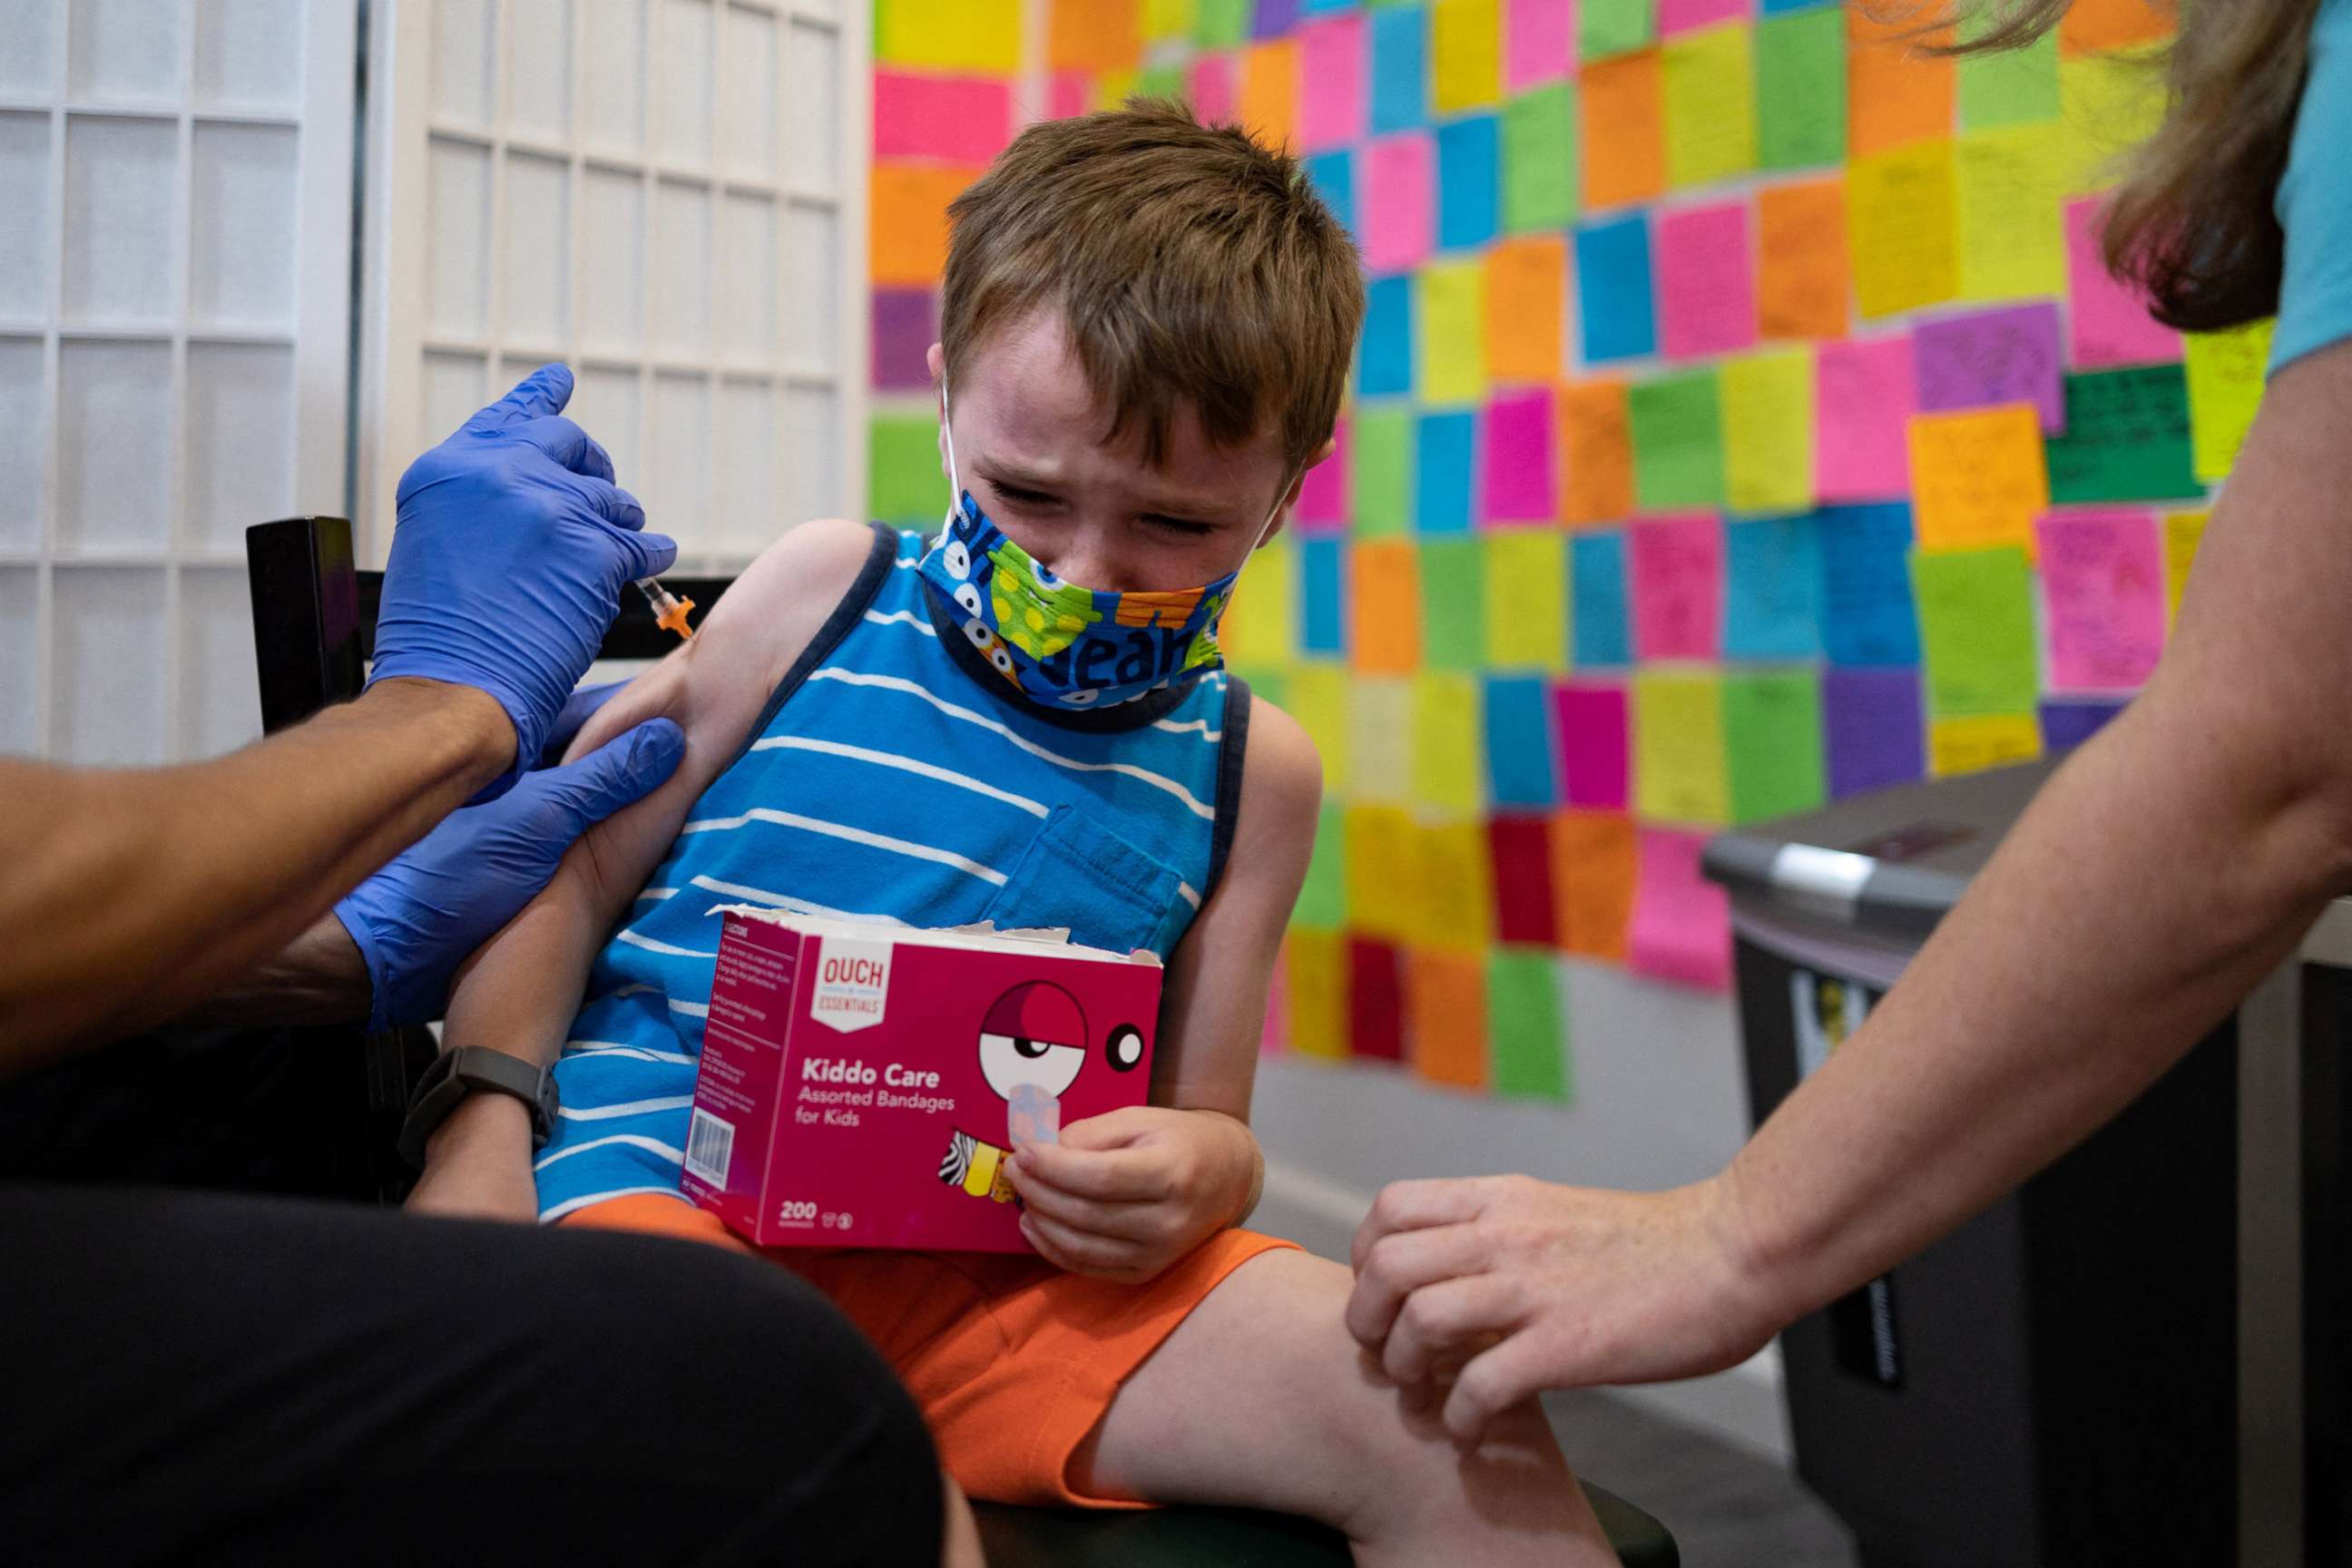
[(2107, 104), (1260, 624), (1680, 773), (2011, 193), (1465, 48), (1453, 331), (2225, 387), (1114, 88), (1383, 868), (1900, 228), (1379, 738), (1455, 886), (1449, 752), (1168, 18), (1767, 431), (1318, 700), (1315, 987), (1710, 94), (2183, 532), (951, 35), (1527, 599), (1266, 102), (1988, 740), (1978, 477)]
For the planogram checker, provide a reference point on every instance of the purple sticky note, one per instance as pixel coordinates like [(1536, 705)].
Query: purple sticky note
[(2102, 598), (1538, 42), (2067, 724), (1211, 83), (1873, 727), (1678, 571), (1521, 479), (1332, 71), (1274, 18), (1863, 400), (1323, 494), (1398, 199), (2111, 325), (2008, 355), (1683, 15), (1706, 281), (906, 325), (1591, 731)]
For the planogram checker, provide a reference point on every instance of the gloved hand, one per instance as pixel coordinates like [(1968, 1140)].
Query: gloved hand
[(510, 549), (415, 921)]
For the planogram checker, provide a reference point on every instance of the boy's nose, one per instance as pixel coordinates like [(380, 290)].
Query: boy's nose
[(1088, 563)]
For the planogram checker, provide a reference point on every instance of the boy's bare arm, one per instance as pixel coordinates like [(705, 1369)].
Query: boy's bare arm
[(521, 989)]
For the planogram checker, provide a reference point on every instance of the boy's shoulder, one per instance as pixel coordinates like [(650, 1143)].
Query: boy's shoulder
[(1282, 779)]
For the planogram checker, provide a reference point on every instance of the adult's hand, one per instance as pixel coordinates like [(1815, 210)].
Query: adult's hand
[(1512, 1286), (415, 921), (509, 557)]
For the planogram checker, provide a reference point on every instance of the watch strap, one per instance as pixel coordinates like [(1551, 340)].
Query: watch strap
[(460, 1071)]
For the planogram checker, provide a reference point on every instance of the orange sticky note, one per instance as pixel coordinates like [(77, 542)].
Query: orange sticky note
[(1267, 103), (1315, 987), (1894, 94), (1445, 1000), (1803, 281), (1093, 35), (1978, 477), (1593, 865), (1385, 607), (1622, 136), (2090, 26), (1527, 291), (1596, 451), (908, 221)]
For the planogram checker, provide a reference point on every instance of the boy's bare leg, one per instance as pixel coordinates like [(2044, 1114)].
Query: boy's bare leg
[(1261, 1399)]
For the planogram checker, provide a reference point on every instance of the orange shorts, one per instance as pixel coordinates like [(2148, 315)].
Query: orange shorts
[(1014, 1361)]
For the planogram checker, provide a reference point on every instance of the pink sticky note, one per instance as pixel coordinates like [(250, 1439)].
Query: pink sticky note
[(1211, 83), (1706, 281), (1538, 42), (1331, 72), (1681, 929), (1522, 475), (1323, 495), (1682, 15), (955, 119), (1274, 1037), (2103, 592), (1066, 95), (1987, 357), (1590, 727), (2111, 325), (1864, 396), (1396, 196), (1677, 576)]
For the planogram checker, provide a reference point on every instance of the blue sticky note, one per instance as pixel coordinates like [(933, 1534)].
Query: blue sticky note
[(1400, 69), (1384, 361), (2065, 725), (1597, 596), (1468, 189), (1868, 615), (1323, 609), (1774, 8), (1612, 288), (1333, 175), (1519, 741), (1772, 588), (1445, 452)]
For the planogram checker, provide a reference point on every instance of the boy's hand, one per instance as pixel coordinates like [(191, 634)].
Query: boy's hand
[(1124, 1195)]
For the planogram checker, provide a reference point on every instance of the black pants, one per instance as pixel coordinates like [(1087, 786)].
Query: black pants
[(197, 1377)]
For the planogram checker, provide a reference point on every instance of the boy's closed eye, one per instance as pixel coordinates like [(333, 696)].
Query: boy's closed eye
[(1023, 498)]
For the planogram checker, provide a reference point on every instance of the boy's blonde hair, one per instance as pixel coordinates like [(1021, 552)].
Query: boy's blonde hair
[(1190, 264)]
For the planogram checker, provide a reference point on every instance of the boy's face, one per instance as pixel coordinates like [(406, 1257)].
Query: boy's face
[(1027, 445)]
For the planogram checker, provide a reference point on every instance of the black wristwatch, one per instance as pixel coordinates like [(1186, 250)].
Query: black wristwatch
[(458, 1072)]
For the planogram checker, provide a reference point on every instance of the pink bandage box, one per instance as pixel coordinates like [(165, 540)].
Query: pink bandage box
[(858, 1080)]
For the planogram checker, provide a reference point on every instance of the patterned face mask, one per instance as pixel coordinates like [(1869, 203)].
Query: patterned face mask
[(1058, 643)]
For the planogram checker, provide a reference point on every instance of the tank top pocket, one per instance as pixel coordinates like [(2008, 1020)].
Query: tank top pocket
[(1081, 873)]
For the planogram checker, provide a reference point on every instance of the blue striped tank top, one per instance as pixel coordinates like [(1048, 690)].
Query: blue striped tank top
[(893, 777)]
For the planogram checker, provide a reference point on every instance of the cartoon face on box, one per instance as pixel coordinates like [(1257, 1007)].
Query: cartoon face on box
[(1034, 1048)]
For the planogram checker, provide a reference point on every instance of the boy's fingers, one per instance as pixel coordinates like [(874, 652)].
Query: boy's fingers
[(1075, 1249), (1121, 1220), (1113, 1175), (1111, 1129)]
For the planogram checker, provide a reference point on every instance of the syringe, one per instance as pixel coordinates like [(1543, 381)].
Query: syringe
[(670, 610)]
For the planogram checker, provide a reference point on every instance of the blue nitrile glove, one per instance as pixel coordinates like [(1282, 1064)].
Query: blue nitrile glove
[(415, 921), (509, 557)]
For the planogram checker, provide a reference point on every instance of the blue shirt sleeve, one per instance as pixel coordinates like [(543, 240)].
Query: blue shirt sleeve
[(2315, 198)]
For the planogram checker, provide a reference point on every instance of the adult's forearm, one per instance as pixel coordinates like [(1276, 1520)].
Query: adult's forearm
[(319, 977), (131, 894)]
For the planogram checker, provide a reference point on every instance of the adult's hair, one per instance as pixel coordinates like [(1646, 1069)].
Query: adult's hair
[(2193, 221), (1192, 267)]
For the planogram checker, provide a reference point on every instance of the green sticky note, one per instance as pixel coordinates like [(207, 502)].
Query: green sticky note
[(1161, 81), (1268, 683), (1772, 738), (1976, 630), (903, 482), (1222, 24), (1527, 1038), (2010, 87), (1539, 160), (1678, 424), (2127, 438), (1380, 471), (1323, 897), (1605, 28), (1453, 602), (1800, 89)]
